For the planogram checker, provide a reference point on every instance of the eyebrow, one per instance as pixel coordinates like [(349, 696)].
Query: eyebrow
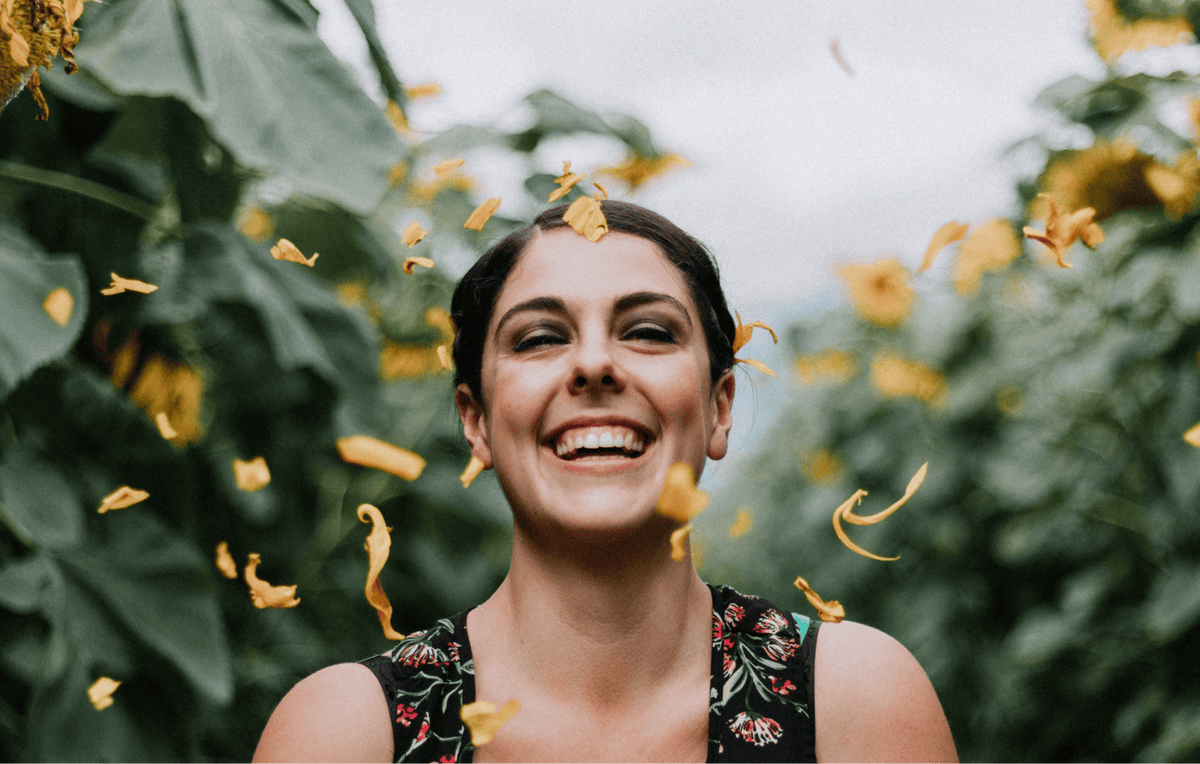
[(555, 305)]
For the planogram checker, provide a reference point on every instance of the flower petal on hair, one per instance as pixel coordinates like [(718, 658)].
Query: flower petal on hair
[(121, 498), (120, 285), (225, 562), (680, 499), (474, 467), (413, 234), (678, 536), (846, 512), (482, 213), (565, 182), (372, 452), (951, 232), (379, 545), (1192, 436), (100, 693), (285, 250), (742, 525), (484, 721), (251, 475), (265, 595), (828, 611), (58, 305), (756, 364), (441, 168), (587, 218), (445, 357), (412, 262)]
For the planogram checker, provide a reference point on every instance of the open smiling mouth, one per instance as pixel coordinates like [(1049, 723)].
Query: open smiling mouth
[(599, 444)]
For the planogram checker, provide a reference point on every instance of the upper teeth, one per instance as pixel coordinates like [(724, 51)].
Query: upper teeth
[(599, 437)]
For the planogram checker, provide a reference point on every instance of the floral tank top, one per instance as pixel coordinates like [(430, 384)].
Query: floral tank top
[(760, 696)]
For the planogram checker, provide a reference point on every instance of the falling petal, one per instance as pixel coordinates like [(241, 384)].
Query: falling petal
[(587, 218), (680, 499), (947, 234), (285, 250), (678, 536), (255, 224), (821, 466), (1192, 436), (846, 512), (251, 475), (379, 544), (742, 525), (990, 248), (424, 90), (164, 386), (474, 467), (638, 169), (100, 693), (1063, 230), (836, 50), (445, 358), (483, 721), (412, 262), (441, 168), (482, 213), (164, 426), (58, 305), (120, 285), (396, 116), (756, 364), (121, 498), (225, 562), (413, 234), (374, 453), (828, 611), (265, 595), (565, 182)]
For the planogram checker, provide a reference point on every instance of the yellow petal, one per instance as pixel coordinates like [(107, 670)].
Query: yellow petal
[(680, 500), (397, 361), (439, 319), (881, 291), (1063, 230), (58, 305), (413, 234), (828, 611), (821, 466), (396, 116), (379, 544), (441, 168), (565, 182), (164, 426), (251, 475), (100, 693), (225, 562), (846, 512), (445, 357), (285, 250), (374, 453), (474, 467), (826, 366), (120, 285), (255, 224), (951, 232), (482, 213), (1192, 436), (601, 192), (121, 498), (638, 169), (412, 262), (743, 332), (424, 90), (265, 595), (483, 721), (678, 550), (896, 377), (991, 247), (756, 364), (742, 525), (587, 218)]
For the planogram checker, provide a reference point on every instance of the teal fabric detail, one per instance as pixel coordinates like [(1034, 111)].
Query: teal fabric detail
[(802, 623)]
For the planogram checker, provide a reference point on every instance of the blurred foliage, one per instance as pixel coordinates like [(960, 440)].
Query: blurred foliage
[(195, 135), (1049, 571)]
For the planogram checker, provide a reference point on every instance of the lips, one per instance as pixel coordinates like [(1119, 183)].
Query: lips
[(583, 440)]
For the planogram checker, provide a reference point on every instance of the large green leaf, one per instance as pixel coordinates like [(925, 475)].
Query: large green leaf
[(269, 89), (37, 503)]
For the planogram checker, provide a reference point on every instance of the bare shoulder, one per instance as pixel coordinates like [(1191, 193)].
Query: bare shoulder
[(873, 700), (336, 714)]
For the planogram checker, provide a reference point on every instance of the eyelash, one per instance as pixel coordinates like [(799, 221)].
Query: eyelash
[(644, 332)]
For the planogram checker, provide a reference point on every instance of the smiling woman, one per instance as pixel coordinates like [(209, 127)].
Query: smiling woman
[(586, 370)]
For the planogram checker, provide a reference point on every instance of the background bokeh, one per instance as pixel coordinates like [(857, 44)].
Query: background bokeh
[(1048, 578)]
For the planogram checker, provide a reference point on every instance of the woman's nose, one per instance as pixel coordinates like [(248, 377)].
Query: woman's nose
[(595, 369)]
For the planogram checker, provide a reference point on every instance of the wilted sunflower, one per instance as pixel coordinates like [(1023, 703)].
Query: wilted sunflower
[(32, 33)]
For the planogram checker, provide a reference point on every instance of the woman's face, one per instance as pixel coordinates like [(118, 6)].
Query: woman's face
[(595, 381)]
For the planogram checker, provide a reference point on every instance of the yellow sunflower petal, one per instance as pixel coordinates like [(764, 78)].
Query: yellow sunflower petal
[(565, 182), (101, 691), (58, 305), (374, 453), (251, 475), (379, 545), (881, 291), (424, 90), (285, 250), (441, 168), (121, 498), (756, 364), (828, 611), (484, 721), (474, 467), (482, 213), (412, 262), (413, 234), (1192, 436), (742, 525), (846, 512), (680, 499), (225, 562), (947, 234), (678, 550), (120, 285), (445, 357), (586, 217), (265, 595), (164, 426), (743, 332)]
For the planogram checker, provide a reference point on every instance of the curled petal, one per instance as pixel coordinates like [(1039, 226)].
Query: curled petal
[(742, 525), (482, 213), (846, 512), (1063, 230), (121, 498), (474, 467), (285, 250), (374, 453), (756, 364), (120, 285), (164, 426), (100, 693), (565, 182), (484, 721), (1192, 436), (412, 262), (743, 332), (680, 499), (379, 545), (947, 234), (678, 550), (586, 217), (252, 475), (225, 562), (828, 611), (413, 234), (58, 305), (265, 595)]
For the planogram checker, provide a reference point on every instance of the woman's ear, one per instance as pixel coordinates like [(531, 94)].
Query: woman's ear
[(474, 422), (722, 415)]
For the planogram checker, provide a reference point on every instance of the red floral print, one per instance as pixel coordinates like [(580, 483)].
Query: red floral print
[(424, 729), (771, 622), (782, 689), (405, 715), (759, 731), (419, 654), (780, 648), (733, 614)]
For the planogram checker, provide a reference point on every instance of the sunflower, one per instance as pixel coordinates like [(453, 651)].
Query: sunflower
[(32, 33)]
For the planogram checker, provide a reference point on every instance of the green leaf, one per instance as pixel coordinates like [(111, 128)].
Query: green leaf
[(23, 583), (268, 88), (37, 503), (364, 15), (29, 337)]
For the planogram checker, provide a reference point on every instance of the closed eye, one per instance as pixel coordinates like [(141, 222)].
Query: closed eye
[(538, 338), (650, 333)]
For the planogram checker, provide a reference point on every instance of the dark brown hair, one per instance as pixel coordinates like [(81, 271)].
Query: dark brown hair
[(475, 296)]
